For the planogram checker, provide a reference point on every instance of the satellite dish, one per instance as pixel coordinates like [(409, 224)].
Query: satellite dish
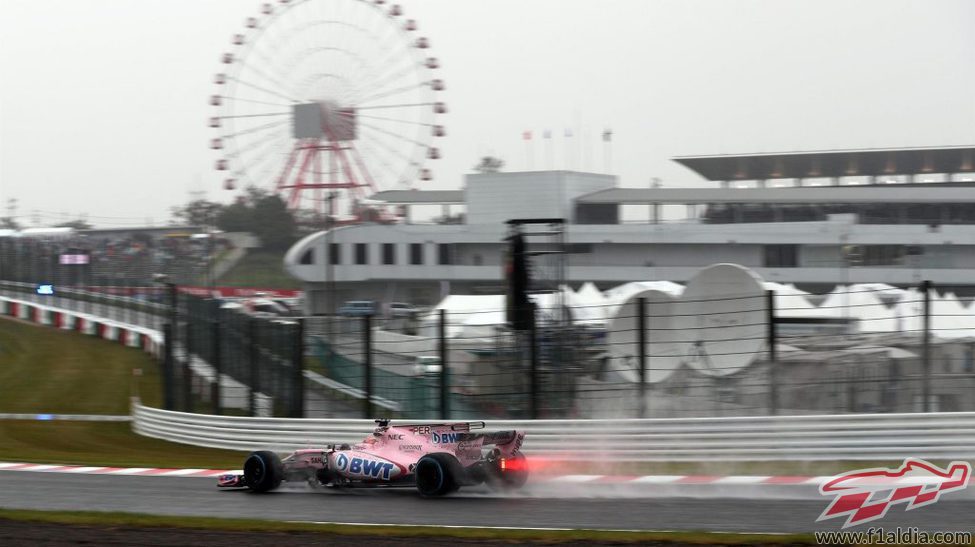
[(663, 353), (720, 320)]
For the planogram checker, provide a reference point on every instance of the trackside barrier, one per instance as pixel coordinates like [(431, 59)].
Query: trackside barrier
[(151, 341), (799, 438)]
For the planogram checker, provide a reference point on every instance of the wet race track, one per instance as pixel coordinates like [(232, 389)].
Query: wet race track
[(775, 509)]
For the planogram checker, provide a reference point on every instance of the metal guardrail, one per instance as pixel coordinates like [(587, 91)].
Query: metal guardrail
[(798, 438)]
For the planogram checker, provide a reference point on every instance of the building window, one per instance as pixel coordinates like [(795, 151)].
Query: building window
[(335, 253), (416, 254), (307, 258), (882, 255), (444, 254), (361, 256), (578, 248), (780, 256), (389, 254), (477, 260)]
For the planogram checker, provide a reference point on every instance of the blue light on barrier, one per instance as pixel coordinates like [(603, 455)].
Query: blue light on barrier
[(45, 289), (45, 416)]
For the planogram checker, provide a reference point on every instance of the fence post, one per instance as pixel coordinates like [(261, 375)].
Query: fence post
[(926, 287), (533, 362), (187, 384), (298, 369), (367, 365), (773, 373), (641, 340), (86, 272), (129, 300), (253, 364), (217, 366), (444, 381), (169, 394), (173, 296)]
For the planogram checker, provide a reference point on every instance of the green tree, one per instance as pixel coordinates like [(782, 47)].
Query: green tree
[(199, 212), (275, 225), (236, 217), (9, 222), (489, 164), (263, 214), (76, 224)]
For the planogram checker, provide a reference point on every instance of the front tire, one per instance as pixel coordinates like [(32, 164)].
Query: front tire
[(437, 474), (263, 471)]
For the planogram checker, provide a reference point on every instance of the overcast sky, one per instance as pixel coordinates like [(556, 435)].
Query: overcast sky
[(103, 103)]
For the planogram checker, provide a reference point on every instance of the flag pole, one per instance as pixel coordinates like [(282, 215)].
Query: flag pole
[(547, 135), (568, 149), (587, 149)]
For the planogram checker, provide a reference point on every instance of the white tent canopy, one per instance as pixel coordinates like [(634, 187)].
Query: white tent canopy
[(864, 305), (616, 296), (791, 302), (877, 307), (468, 315)]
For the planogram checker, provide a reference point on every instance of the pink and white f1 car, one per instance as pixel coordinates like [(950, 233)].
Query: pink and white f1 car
[(436, 458)]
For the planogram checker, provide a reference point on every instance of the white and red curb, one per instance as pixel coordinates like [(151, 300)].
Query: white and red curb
[(134, 471), (135, 336)]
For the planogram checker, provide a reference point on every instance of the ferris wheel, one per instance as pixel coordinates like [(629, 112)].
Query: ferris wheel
[(324, 98)]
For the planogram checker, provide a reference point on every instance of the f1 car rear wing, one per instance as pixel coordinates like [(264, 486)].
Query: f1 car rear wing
[(454, 426)]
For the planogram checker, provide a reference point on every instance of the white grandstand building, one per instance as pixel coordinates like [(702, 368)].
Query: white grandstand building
[(815, 220)]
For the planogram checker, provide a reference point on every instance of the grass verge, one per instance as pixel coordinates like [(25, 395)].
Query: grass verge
[(62, 372), (46, 370), (260, 526), (109, 444), (260, 269)]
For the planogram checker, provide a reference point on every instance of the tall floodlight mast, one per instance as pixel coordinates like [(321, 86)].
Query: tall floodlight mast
[(321, 96)]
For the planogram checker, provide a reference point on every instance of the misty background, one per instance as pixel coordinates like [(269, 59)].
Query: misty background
[(104, 104)]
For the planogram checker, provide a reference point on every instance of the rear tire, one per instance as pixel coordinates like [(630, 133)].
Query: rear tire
[(517, 477), (477, 473), (437, 474), (513, 477), (263, 471)]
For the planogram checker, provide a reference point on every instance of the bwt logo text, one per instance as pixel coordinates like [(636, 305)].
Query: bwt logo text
[(447, 438), (364, 467)]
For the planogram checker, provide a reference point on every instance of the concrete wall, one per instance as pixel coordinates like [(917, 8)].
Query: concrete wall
[(494, 198)]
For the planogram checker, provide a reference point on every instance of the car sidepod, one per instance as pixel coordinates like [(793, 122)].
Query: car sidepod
[(363, 466)]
